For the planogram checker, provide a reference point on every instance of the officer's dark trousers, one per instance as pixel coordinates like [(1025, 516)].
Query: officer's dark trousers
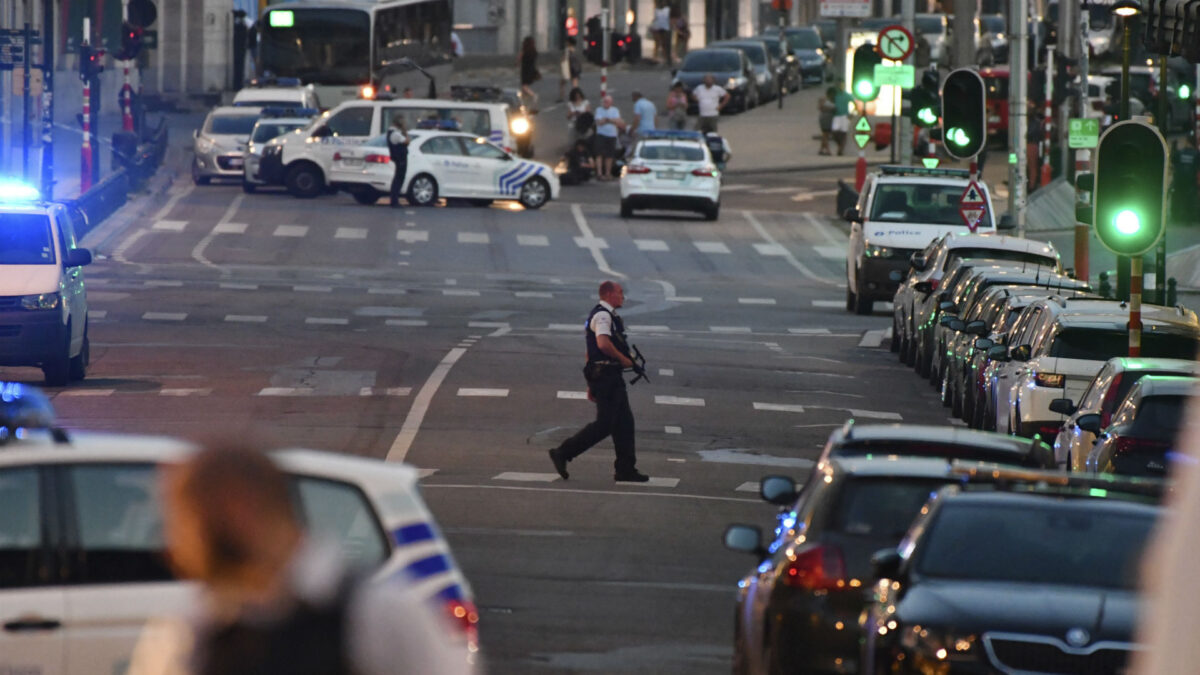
[(398, 181), (613, 417)]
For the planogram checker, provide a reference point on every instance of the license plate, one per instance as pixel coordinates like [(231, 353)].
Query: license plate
[(672, 175), (235, 161), (351, 161)]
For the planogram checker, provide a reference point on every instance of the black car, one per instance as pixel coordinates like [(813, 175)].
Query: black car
[(1031, 581), (809, 50), (766, 72), (786, 63), (731, 69)]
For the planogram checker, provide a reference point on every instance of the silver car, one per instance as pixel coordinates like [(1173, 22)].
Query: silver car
[(220, 145)]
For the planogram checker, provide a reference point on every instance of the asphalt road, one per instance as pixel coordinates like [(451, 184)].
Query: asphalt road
[(451, 338)]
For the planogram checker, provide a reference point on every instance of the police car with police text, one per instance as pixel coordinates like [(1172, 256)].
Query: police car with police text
[(275, 122), (672, 170)]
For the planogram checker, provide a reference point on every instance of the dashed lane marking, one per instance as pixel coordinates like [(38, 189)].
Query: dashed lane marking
[(748, 486), (87, 392), (420, 406), (477, 391), (778, 407), (163, 284), (245, 318), (229, 285), (679, 400), (771, 249), (164, 316), (657, 482), (386, 291), (412, 236), (326, 321), (527, 477), (184, 392), (285, 391), (230, 228), (533, 294), (831, 252), (312, 289), (573, 395), (729, 329), (756, 301), (290, 231), (425, 473), (666, 372), (829, 303), (565, 326), (711, 247), (474, 238), (533, 240), (350, 233), (670, 429), (412, 323), (169, 225), (598, 243), (775, 190), (385, 391), (649, 329), (97, 313), (809, 331), (651, 245), (460, 292), (739, 187)]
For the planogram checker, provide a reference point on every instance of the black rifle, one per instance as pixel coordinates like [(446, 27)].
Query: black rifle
[(639, 365)]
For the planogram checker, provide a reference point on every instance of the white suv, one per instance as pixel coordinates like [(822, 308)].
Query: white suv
[(43, 302)]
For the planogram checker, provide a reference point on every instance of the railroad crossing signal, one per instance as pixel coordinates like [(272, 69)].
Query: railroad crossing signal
[(1129, 205), (964, 113)]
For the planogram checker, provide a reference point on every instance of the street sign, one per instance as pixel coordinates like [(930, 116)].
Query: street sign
[(972, 206), (903, 76), (847, 8), (895, 43), (1083, 132), (862, 131)]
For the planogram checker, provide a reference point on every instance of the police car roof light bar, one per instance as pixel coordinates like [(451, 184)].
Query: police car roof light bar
[(18, 192), (272, 81), (673, 134), (899, 170)]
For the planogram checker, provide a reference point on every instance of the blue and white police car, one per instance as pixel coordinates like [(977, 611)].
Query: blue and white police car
[(673, 170), (444, 164)]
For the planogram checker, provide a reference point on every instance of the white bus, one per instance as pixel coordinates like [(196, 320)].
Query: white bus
[(342, 46)]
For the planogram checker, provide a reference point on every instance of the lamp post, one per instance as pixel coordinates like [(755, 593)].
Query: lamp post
[(1126, 10)]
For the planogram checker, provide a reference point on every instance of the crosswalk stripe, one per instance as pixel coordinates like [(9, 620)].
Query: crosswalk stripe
[(651, 245), (228, 285), (527, 477), (711, 246), (245, 318), (828, 303), (351, 233), (312, 289), (412, 236), (565, 326), (831, 252), (230, 228), (573, 395), (473, 238), (672, 429), (406, 322), (163, 284), (385, 391), (729, 329), (477, 391), (657, 482), (460, 292), (533, 240), (679, 400), (778, 407), (775, 190), (97, 313), (286, 391), (748, 486), (184, 392), (325, 321), (756, 301), (738, 187), (533, 294), (164, 316), (591, 242), (809, 331), (290, 231), (771, 249), (638, 328), (386, 291), (169, 225)]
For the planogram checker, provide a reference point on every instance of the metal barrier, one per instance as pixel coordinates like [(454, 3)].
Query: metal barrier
[(137, 162), (103, 199)]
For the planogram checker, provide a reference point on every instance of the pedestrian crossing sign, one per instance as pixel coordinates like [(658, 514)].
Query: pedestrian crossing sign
[(862, 131)]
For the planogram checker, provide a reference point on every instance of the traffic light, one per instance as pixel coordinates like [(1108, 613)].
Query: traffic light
[(862, 83), (131, 42), (91, 62), (964, 113), (925, 101), (1130, 188)]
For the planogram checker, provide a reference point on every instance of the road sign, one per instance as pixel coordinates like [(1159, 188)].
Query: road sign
[(903, 76), (862, 131), (895, 43), (847, 8), (972, 206), (1083, 132)]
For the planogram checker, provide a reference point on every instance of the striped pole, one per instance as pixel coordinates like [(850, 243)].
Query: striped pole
[(1083, 163), (127, 102), (85, 149), (604, 80), (1048, 117), (1196, 94)]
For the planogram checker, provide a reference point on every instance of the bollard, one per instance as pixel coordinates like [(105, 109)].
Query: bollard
[(1172, 293), (1105, 289)]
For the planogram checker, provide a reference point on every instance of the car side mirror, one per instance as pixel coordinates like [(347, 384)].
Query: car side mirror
[(925, 287), (322, 131), (1062, 406), (976, 328), (1089, 422), (1006, 222), (918, 262), (1021, 353), (998, 353), (984, 344), (947, 306), (778, 490), (195, 133), (885, 564), (78, 257), (745, 538), (851, 215), (952, 322)]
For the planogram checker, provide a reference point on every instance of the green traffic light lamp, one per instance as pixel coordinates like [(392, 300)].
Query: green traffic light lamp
[(927, 116), (864, 89), (1127, 221)]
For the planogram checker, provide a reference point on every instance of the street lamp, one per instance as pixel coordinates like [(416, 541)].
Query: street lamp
[(1126, 10)]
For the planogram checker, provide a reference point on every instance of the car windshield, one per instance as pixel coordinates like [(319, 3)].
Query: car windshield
[(756, 54), (1001, 254), (1096, 344), (804, 39), (707, 61), (471, 120), (928, 448), (882, 507), (673, 153), (1070, 544), (25, 239), (993, 23), (930, 24), (773, 47), (231, 125), (1159, 417), (265, 132), (921, 203), (248, 103), (329, 46)]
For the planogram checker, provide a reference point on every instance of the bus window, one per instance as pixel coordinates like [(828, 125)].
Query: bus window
[(418, 31), (333, 44)]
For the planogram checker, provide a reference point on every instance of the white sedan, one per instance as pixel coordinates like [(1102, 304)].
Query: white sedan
[(672, 170), (444, 164)]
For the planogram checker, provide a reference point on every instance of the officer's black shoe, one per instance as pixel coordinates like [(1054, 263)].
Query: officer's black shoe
[(634, 476), (560, 464)]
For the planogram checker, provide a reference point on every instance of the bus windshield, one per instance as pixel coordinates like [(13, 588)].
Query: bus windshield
[(319, 46)]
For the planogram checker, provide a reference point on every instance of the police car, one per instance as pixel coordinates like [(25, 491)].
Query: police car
[(220, 144), (82, 563), (672, 170), (43, 302), (444, 164), (900, 210), (274, 123)]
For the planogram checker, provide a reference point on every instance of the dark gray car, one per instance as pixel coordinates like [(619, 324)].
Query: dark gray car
[(729, 66)]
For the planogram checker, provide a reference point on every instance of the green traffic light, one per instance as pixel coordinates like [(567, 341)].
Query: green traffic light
[(957, 136), (927, 116), (864, 88), (1185, 92), (1127, 222)]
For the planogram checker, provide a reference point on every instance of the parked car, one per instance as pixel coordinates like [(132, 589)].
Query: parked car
[(730, 67), (1145, 428), (810, 50), (761, 64), (787, 65), (219, 145), (949, 443)]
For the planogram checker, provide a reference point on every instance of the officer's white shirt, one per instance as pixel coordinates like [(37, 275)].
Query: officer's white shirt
[(396, 136), (601, 323)]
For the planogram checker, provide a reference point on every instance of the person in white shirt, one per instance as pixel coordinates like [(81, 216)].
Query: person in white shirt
[(710, 100), (608, 126)]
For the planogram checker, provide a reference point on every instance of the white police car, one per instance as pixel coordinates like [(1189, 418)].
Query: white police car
[(275, 122), (444, 164), (672, 170), (43, 302), (82, 562)]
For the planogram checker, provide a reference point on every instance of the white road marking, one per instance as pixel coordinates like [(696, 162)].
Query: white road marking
[(738, 187), (831, 252), (97, 313), (874, 414), (592, 242), (569, 492), (831, 235), (245, 318), (771, 249), (651, 245), (184, 392), (565, 326), (473, 238), (666, 372), (573, 395), (312, 289), (230, 228), (678, 400), (740, 456), (791, 259), (126, 244), (872, 338), (406, 322), (649, 329), (778, 407), (290, 231), (412, 236), (756, 301), (685, 298), (169, 225), (420, 405), (286, 391), (809, 196), (597, 255), (425, 473), (656, 482), (350, 233), (326, 321), (386, 291), (87, 392), (199, 252), (385, 391), (533, 294), (533, 240), (238, 287), (711, 246), (163, 284), (164, 316), (527, 477), (749, 486), (477, 391), (462, 292), (809, 331), (679, 460), (829, 303), (729, 329), (774, 190), (672, 429)]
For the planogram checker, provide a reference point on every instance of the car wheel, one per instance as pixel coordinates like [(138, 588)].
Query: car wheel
[(626, 209), (366, 195), (197, 178), (57, 368), (535, 192), (713, 212), (248, 187), (304, 181), (80, 363), (423, 190), (894, 346)]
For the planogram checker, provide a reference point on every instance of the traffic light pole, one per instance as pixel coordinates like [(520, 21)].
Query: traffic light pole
[(1160, 251), (860, 166), (126, 88), (1135, 308), (903, 136), (1047, 119), (1124, 271), (1082, 155), (48, 100), (85, 148), (1019, 110)]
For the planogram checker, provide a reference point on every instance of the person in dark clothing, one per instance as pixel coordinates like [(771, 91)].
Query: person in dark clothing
[(527, 61), (580, 166), (607, 358), (397, 140)]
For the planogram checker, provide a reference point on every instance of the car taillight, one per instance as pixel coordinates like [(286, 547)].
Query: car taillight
[(1049, 380), (820, 568), (1132, 444), (934, 283), (464, 617), (707, 173), (509, 150), (377, 159), (337, 156), (637, 168), (1110, 400)]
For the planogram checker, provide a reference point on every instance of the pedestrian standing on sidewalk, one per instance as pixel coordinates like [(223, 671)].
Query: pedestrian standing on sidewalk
[(644, 119), (843, 103), (710, 100), (682, 33), (608, 356), (825, 108), (608, 126), (527, 62), (677, 105), (397, 140), (661, 29), (576, 106)]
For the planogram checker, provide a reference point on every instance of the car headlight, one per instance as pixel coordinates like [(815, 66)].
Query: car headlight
[(735, 82), (41, 301), (519, 126), (204, 145), (938, 645), (873, 251)]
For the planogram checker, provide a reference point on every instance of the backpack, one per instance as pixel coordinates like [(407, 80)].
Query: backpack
[(584, 122)]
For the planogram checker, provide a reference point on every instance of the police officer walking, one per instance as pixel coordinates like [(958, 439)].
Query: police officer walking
[(397, 140), (608, 355)]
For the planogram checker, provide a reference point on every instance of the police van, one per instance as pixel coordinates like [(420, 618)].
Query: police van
[(899, 211), (302, 161)]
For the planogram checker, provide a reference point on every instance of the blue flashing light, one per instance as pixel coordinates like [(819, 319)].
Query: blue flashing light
[(16, 191), (678, 134)]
